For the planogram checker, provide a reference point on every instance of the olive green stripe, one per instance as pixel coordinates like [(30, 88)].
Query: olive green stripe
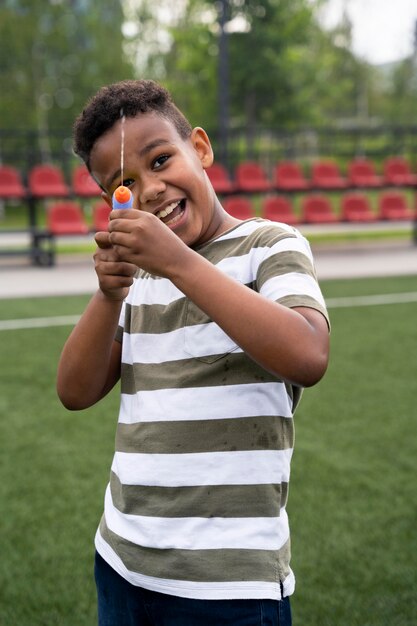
[(292, 301), (204, 566), (158, 318), (217, 435), (155, 318), (266, 236), (295, 394), (234, 368), (199, 501), (283, 263)]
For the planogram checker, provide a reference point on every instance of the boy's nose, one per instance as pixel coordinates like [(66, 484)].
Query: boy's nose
[(150, 189)]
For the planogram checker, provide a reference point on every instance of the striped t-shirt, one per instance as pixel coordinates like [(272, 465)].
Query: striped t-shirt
[(195, 506)]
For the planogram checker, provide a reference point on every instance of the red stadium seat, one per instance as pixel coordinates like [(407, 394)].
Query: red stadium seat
[(66, 218), (220, 179), (239, 207), (392, 205), (361, 173), (279, 209), (101, 213), (356, 208), (288, 176), (11, 185), (317, 209), (252, 178), (326, 175), (397, 172), (83, 184), (47, 181)]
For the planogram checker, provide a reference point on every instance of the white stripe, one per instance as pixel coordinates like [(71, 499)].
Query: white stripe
[(153, 291), (247, 228), (198, 533), (244, 268), (378, 299), (300, 244), (122, 315), (292, 284), (205, 403), (39, 322), (203, 468), (189, 589), (153, 347), (197, 341)]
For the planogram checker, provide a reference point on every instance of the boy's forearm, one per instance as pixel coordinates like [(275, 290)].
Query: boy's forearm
[(291, 343), (88, 368)]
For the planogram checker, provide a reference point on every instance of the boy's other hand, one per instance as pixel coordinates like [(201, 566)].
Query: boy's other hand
[(114, 275)]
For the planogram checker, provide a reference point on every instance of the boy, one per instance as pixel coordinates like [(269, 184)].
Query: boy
[(213, 326)]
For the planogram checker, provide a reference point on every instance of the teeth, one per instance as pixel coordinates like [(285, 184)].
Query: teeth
[(168, 210)]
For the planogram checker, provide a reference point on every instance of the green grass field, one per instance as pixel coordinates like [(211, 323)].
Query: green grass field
[(352, 501)]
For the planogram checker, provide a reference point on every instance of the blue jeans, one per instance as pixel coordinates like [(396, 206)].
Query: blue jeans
[(123, 604)]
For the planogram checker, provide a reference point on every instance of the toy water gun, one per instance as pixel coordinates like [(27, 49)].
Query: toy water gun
[(122, 198)]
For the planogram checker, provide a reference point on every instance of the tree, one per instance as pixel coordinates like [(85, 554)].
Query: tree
[(396, 100), (265, 59), (54, 57), (334, 81)]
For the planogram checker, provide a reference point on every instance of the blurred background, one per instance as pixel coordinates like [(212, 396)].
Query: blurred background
[(324, 86), (268, 79)]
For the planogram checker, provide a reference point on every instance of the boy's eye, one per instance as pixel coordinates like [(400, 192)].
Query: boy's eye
[(160, 161), (128, 181)]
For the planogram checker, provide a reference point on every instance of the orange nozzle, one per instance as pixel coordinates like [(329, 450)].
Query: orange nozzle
[(122, 194)]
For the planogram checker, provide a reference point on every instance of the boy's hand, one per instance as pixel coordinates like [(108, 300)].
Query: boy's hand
[(141, 238), (114, 276)]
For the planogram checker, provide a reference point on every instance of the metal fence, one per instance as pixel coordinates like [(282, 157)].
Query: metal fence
[(25, 148)]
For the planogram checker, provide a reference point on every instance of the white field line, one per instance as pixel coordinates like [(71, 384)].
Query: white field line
[(377, 299), (332, 303), (39, 322)]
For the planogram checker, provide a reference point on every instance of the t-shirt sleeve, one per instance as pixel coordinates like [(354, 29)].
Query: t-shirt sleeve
[(121, 325), (287, 274)]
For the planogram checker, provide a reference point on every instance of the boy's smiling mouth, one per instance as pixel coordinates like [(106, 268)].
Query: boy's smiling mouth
[(172, 213)]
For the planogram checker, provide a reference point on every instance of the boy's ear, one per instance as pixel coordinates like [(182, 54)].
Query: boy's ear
[(202, 146)]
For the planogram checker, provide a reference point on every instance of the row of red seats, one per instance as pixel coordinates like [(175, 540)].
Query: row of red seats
[(48, 181), (326, 175), (67, 218), (318, 208)]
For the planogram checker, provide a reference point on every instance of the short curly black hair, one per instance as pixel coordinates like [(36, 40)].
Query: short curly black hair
[(129, 98)]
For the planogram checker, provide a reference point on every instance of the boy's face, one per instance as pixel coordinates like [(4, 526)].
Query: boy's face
[(165, 174)]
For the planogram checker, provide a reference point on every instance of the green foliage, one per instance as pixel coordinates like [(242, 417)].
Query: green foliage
[(399, 92), (264, 85), (285, 69), (55, 56)]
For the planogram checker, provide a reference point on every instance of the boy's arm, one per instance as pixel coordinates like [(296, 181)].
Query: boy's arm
[(291, 343), (89, 365)]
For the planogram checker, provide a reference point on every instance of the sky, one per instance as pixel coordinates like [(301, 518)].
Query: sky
[(383, 30)]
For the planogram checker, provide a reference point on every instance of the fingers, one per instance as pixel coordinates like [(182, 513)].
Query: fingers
[(124, 214), (115, 277), (128, 220), (121, 269), (110, 267), (102, 239)]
